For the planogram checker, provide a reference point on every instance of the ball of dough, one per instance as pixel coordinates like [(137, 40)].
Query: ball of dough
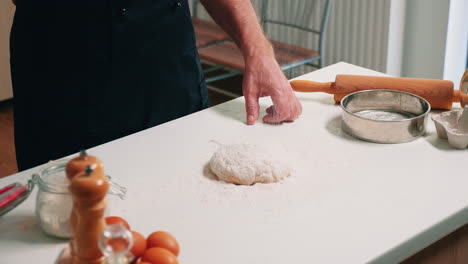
[(247, 164)]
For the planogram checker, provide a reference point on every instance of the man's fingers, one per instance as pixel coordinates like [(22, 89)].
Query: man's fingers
[(266, 79), (273, 118), (252, 108), (274, 115), (283, 110), (270, 110)]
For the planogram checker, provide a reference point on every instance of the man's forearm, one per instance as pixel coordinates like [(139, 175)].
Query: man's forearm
[(262, 74), (238, 19)]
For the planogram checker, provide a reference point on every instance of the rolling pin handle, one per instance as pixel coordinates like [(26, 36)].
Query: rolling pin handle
[(456, 96), (311, 87)]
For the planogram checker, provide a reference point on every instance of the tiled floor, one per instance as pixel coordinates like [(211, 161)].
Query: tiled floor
[(7, 147)]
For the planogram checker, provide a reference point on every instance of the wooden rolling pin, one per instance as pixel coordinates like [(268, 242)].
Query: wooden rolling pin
[(439, 93)]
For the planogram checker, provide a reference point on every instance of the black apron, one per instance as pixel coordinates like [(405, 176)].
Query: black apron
[(88, 72)]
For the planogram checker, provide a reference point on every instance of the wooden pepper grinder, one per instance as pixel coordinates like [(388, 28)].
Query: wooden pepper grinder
[(74, 167), (88, 190), (79, 164)]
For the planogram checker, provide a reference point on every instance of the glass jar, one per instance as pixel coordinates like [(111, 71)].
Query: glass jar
[(54, 201)]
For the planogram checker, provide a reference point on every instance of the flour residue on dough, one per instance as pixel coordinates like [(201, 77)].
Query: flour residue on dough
[(247, 164)]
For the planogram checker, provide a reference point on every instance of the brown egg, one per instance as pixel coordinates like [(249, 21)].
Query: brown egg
[(158, 255), (139, 244), (164, 240), (143, 262)]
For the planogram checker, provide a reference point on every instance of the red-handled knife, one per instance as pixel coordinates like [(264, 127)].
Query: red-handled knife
[(12, 195)]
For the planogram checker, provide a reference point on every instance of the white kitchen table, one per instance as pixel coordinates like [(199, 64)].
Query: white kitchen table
[(347, 201)]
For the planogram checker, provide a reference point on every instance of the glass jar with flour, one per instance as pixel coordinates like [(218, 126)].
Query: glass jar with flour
[(54, 201)]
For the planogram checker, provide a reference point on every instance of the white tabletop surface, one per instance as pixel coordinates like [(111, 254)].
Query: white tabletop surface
[(348, 201)]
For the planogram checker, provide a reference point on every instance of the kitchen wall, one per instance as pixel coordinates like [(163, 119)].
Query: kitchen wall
[(435, 39), (425, 37), (411, 38), (456, 47), (396, 32), (357, 31), (6, 18)]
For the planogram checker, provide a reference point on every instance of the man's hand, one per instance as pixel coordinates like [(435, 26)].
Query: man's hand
[(263, 77)]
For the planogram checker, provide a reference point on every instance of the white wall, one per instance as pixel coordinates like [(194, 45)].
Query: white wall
[(6, 18), (435, 39), (457, 41), (396, 33), (425, 38), (357, 31)]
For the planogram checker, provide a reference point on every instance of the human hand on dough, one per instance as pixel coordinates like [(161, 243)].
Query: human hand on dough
[(262, 74), (263, 77)]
